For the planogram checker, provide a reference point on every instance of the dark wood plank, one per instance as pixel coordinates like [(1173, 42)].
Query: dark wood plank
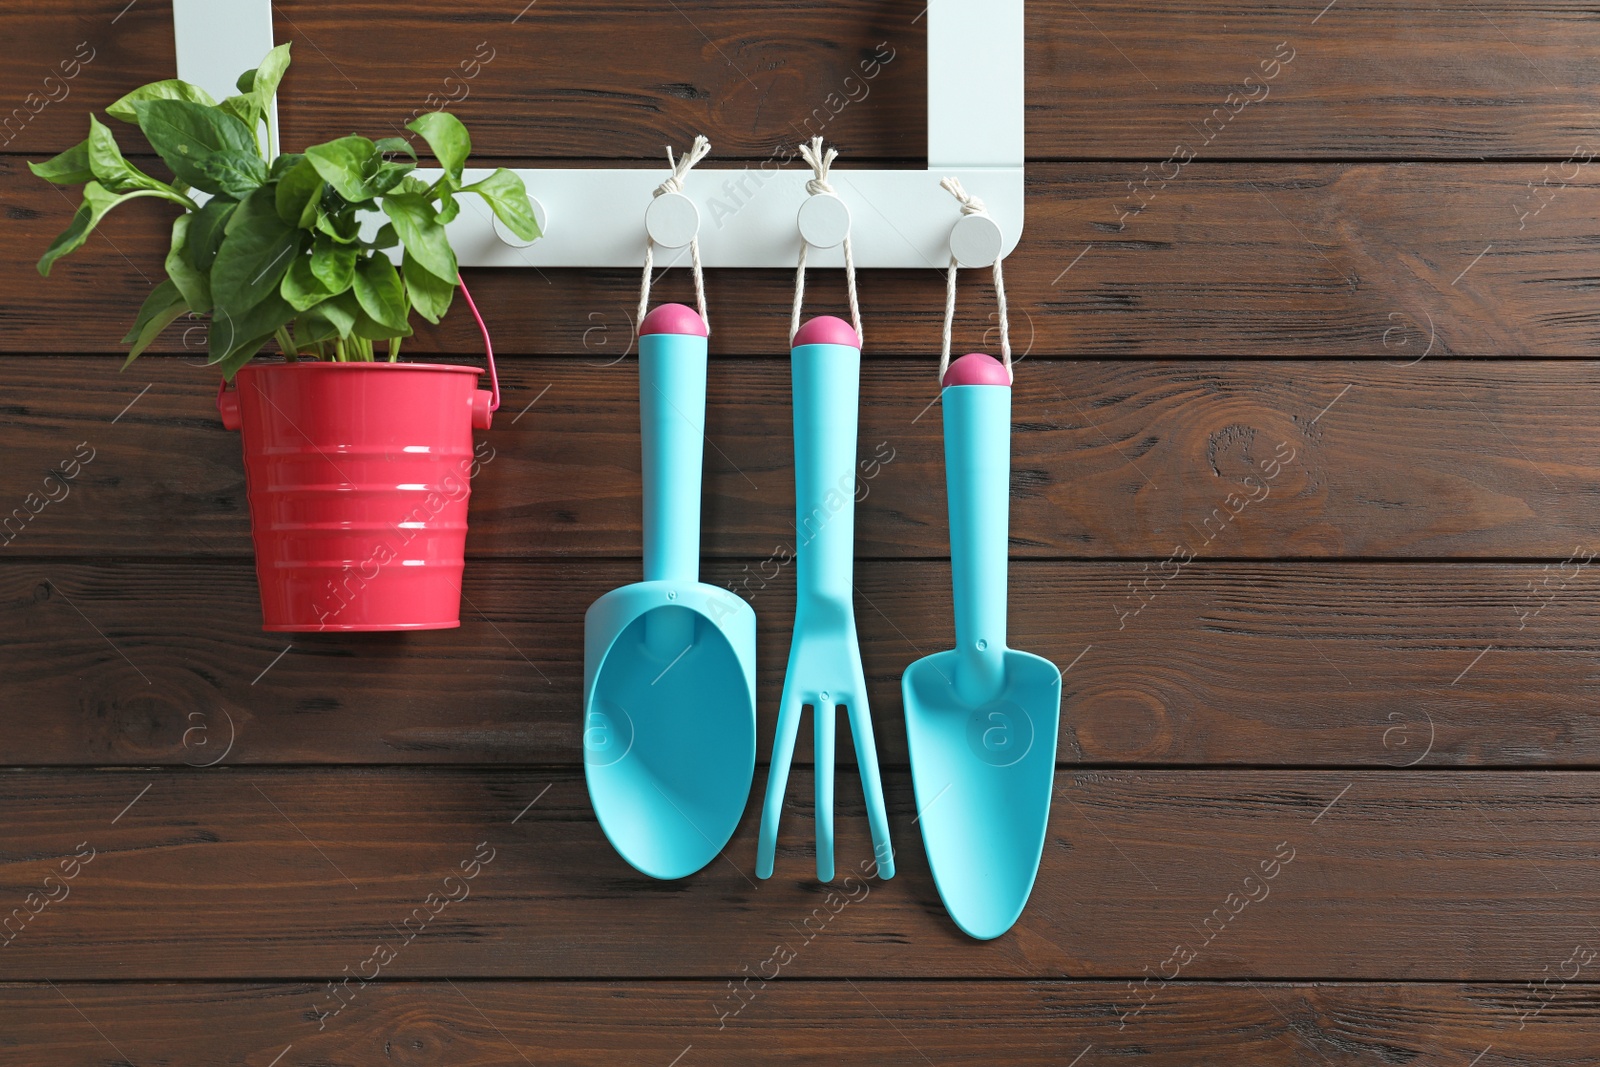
[(1259, 1024), (1380, 261), (1106, 79), (1109, 78), (554, 81), (1115, 459), (1359, 665), (240, 874)]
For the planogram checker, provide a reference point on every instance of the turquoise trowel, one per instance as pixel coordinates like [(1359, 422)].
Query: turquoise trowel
[(981, 719)]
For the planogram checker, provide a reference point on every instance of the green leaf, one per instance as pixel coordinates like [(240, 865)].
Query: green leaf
[(254, 255), (447, 137), (380, 294), (429, 294), (164, 304), (265, 78), (283, 164), (373, 330), (390, 175), (348, 164), (257, 88), (301, 287), (171, 89), (207, 230), (313, 327), (245, 108), (242, 354), (69, 168), (233, 333), (333, 264), (300, 194), (342, 311), (184, 133), (237, 173), (507, 197), (97, 202), (385, 237), (110, 169), (391, 145), (192, 283), (346, 316), (449, 208), (343, 227), (423, 237)]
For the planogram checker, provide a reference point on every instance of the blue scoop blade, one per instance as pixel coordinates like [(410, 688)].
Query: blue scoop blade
[(670, 731), (983, 777)]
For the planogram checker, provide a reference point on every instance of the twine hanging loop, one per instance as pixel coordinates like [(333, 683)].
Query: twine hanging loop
[(818, 185), (680, 166), (972, 205)]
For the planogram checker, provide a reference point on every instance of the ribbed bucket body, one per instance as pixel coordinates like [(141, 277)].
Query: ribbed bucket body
[(358, 477)]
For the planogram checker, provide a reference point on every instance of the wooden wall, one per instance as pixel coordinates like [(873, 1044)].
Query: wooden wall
[(1384, 264)]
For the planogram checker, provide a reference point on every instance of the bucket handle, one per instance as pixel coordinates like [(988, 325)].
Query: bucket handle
[(228, 406), (484, 405)]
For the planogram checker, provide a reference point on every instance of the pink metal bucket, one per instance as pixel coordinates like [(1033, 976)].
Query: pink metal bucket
[(358, 476)]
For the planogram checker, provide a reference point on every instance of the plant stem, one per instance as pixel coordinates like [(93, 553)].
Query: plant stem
[(394, 349), (287, 344), (165, 194)]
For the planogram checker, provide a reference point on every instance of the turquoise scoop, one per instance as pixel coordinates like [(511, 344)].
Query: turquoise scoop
[(981, 719), (669, 710)]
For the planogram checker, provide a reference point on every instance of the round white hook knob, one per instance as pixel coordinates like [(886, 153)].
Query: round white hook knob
[(975, 241), (672, 220), (824, 220)]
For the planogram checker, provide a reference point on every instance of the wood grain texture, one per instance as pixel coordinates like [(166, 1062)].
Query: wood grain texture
[(817, 1024), (555, 81), (1106, 79), (1230, 663), (1327, 790), (234, 873), (1443, 459), (1380, 261)]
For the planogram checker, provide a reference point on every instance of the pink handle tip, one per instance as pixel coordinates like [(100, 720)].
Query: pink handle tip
[(673, 318), (977, 368), (826, 330)]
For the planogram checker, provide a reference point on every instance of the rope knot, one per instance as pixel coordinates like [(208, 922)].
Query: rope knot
[(819, 162), (970, 205), (682, 166)]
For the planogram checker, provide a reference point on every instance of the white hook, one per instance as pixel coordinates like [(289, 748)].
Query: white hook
[(975, 241), (672, 220), (824, 220)]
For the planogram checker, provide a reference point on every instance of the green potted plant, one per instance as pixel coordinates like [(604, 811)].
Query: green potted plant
[(357, 467)]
